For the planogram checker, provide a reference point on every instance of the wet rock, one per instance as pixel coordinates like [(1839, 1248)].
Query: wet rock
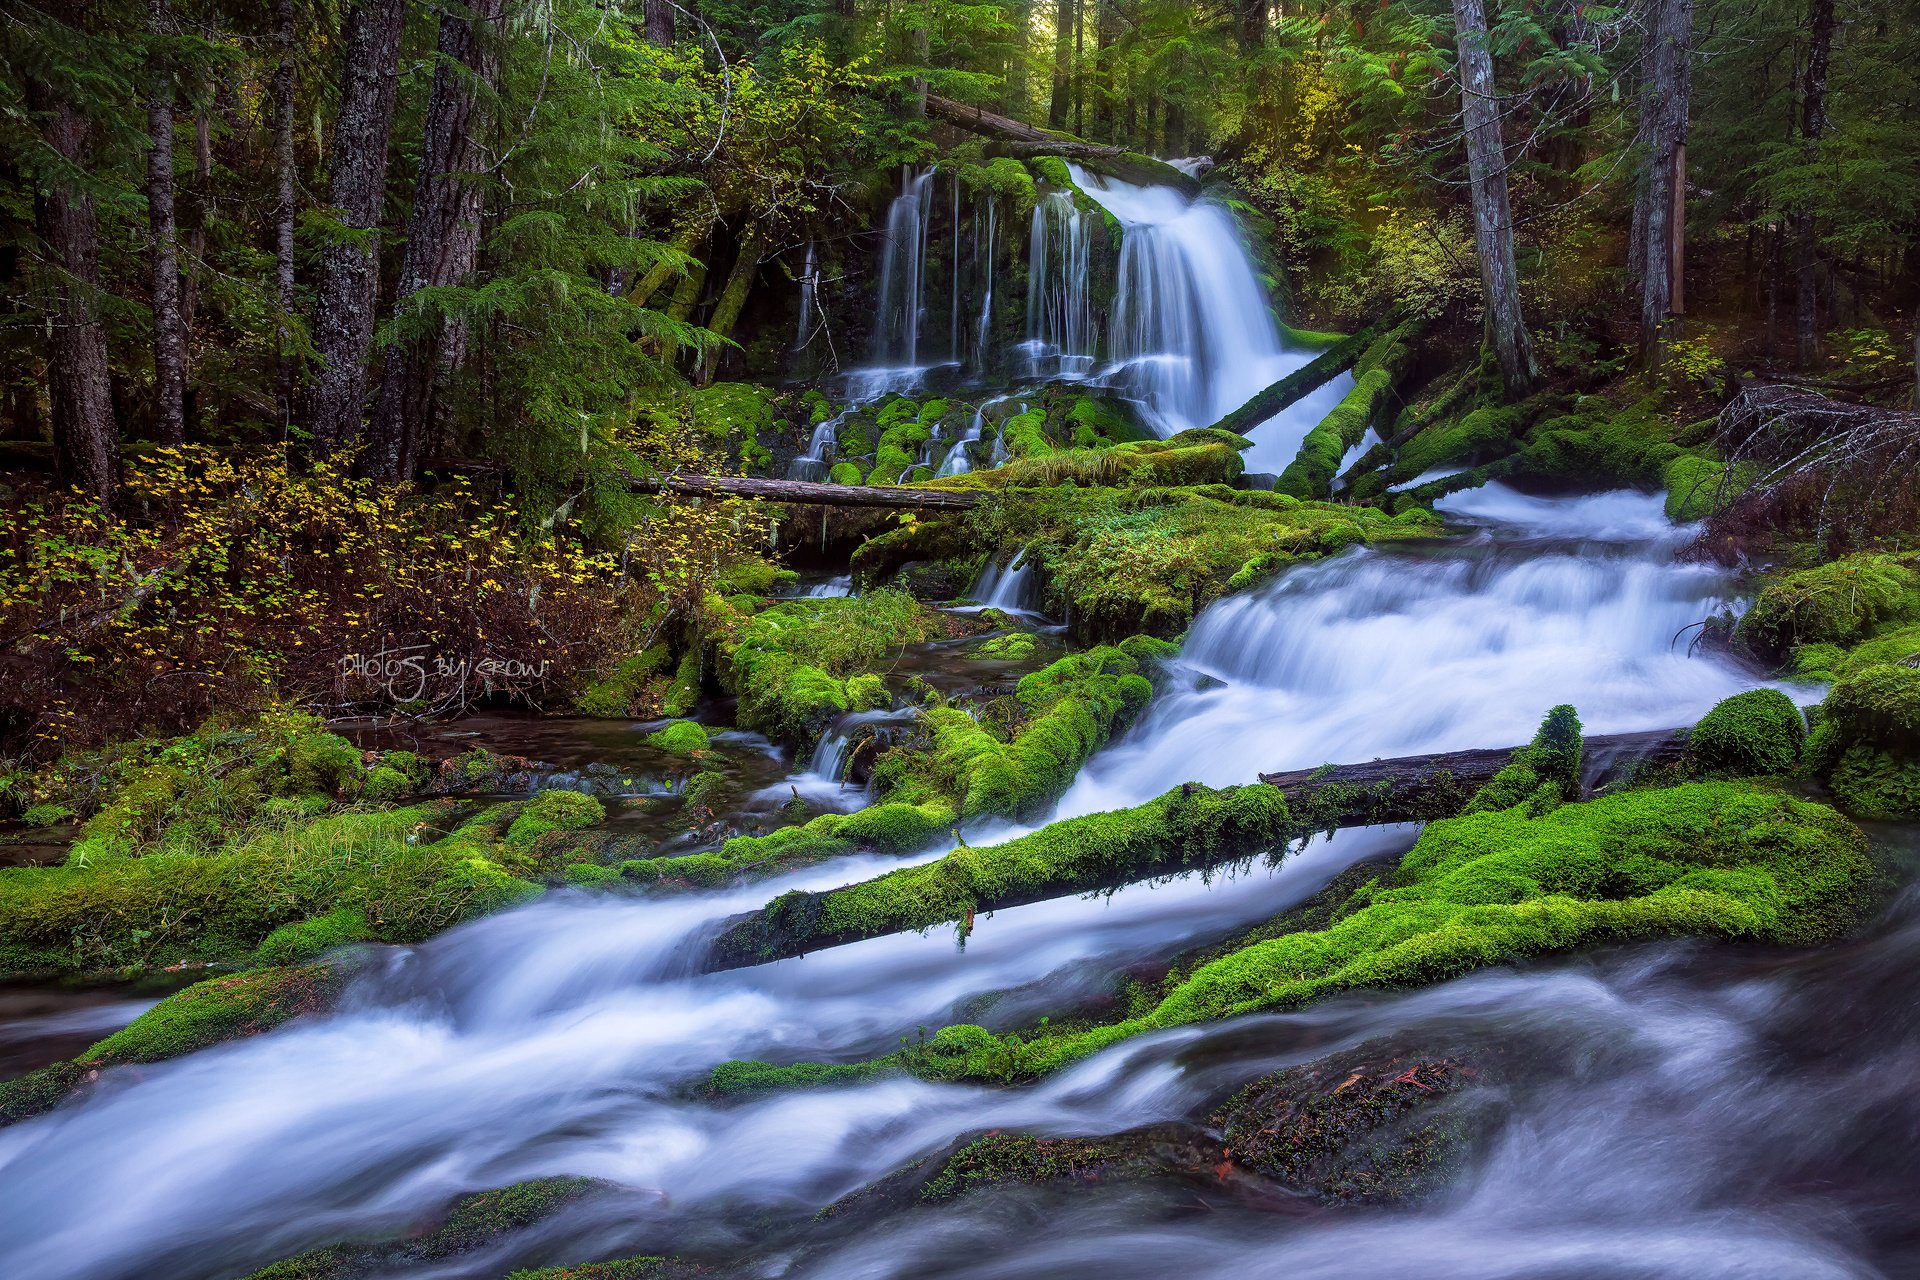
[(1369, 1126)]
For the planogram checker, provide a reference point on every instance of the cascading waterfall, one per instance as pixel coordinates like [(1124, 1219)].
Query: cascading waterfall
[(1012, 589), (809, 286), (984, 326), (1193, 334), (901, 297), (957, 461), (1060, 332)]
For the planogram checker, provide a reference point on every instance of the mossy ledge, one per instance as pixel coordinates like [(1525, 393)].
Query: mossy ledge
[(1073, 707), (1713, 859)]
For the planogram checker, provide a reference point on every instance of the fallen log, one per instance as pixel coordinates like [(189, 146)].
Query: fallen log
[(1302, 382), (1022, 141), (807, 493), (1189, 828)]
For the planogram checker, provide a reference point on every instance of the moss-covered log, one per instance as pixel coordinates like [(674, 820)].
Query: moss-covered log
[(1377, 371), (1190, 827), (1021, 140), (807, 493), (1302, 382)]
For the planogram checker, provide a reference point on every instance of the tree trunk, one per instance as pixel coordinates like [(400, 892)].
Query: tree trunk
[(809, 494), (86, 439), (1020, 15), (1660, 201), (659, 15), (1492, 215), (1064, 12), (1813, 123), (169, 329), (283, 217), (732, 297), (347, 289), (443, 239), (1250, 25)]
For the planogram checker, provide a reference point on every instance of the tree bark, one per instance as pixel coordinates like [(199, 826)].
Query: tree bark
[(659, 16), (169, 328), (443, 239), (1661, 199), (1813, 123), (806, 493), (86, 440), (283, 217), (733, 296), (1023, 141), (347, 287), (1492, 214)]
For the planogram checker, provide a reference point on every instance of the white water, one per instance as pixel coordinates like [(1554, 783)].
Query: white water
[(902, 295), (1060, 331), (958, 462), (1377, 653), (1193, 335), (1012, 588)]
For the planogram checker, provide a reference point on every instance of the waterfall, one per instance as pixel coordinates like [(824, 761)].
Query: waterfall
[(957, 462), (1012, 589), (985, 325), (809, 283), (953, 319), (1060, 339), (815, 463), (901, 300), (1193, 335)]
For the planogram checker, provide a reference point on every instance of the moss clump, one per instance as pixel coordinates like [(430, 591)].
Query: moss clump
[(194, 793), (1840, 603), (647, 1268), (1599, 443), (207, 1013), (1879, 703), (683, 691), (1121, 562), (1017, 647), (1542, 774), (186, 909), (555, 810), (1756, 732), (790, 664), (617, 696), (291, 943), (1698, 485), (473, 1222), (682, 738), (845, 473), (1869, 741)]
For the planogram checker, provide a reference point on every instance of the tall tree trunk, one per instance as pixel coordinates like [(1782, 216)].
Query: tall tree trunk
[(1492, 215), (1660, 201), (726, 309), (1813, 123), (659, 15), (169, 326), (348, 285), (443, 237), (1064, 16), (86, 439), (1080, 67), (1250, 25), (284, 210), (1020, 15)]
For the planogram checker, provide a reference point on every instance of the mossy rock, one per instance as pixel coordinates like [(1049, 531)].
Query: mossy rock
[(1871, 783), (556, 809), (682, 738), (1839, 603), (1754, 733)]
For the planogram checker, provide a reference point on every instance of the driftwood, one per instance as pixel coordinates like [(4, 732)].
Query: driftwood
[(1023, 141), (1302, 382), (1407, 789), (808, 493)]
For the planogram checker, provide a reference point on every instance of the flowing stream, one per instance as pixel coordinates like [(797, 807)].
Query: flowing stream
[(1692, 1110)]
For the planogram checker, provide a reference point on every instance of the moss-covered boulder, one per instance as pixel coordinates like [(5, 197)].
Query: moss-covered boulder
[(1758, 732), (1839, 603)]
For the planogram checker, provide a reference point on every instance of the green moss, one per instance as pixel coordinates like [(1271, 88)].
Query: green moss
[(790, 664), (845, 473), (1311, 473), (1872, 783), (645, 1268), (1015, 647), (1541, 775), (1601, 444), (867, 692), (683, 692), (384, 785), (1712, 859), (194, 793), (1756, 732), (205, 1014), (1838, 603), (472, 1223), (682, 738), (555, 810), (1188, 827), (1697, 486), (291, 943), (1880, 704), (182, 909)]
